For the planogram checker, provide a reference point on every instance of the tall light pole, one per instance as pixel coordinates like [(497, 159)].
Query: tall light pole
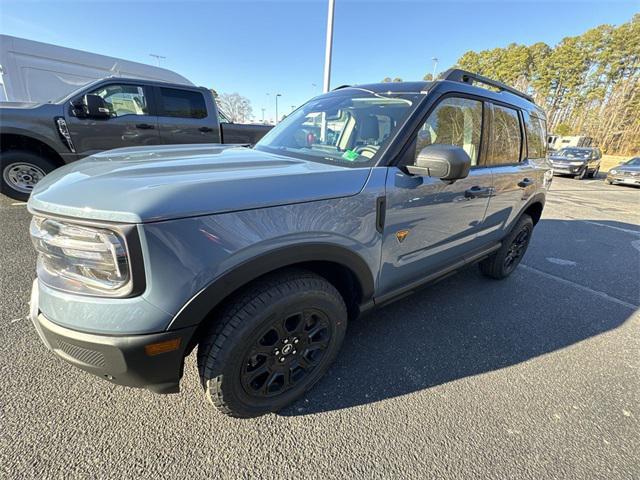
[(327, 48), (293, 107), (263, 114), (158, 58), (435, 65), (277, 95)]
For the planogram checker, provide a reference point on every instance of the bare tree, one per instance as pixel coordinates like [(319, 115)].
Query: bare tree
[(236, 107)]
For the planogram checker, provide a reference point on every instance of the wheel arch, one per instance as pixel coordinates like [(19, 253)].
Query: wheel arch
[(344, 268), (18, 140), (534, 207)]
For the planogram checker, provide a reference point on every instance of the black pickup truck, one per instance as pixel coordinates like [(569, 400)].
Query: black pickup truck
[(109, 113)]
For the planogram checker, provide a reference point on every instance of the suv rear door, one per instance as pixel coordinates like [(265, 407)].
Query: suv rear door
[(184, 116), (516, 175), (429, 223), (130, 124)]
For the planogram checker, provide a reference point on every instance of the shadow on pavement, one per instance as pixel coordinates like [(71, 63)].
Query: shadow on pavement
[(463, 326)]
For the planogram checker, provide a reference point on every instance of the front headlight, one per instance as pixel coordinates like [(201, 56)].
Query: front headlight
[(576, 164), (613, 172), (81, 259)]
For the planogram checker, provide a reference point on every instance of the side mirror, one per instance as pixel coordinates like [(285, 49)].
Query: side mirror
[(446, 162), (92, 106)]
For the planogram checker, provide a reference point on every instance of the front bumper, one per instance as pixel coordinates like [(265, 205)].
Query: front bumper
[(565, 169), (125, 360), (624, 179)]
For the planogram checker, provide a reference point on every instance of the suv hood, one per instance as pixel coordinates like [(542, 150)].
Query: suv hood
[(19, 104), (142, 184)]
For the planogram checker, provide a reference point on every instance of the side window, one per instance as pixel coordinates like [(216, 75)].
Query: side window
[(455, 121), (123, 99), (181, 103), (535, 130), (506, 140)]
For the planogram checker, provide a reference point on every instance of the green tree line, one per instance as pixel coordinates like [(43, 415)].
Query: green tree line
[(588, 84)]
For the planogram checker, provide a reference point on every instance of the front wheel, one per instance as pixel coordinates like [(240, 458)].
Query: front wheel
[(272, 343), (594, 174), (21, 171), (505, 260), (583, 174)]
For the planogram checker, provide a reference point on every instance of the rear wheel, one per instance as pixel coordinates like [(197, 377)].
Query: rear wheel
[(272, 342), (505, 260), (21, 171)]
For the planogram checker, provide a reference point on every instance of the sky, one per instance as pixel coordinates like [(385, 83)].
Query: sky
[(260, 48)]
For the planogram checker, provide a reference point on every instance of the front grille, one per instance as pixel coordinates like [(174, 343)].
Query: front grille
[(84, 355)]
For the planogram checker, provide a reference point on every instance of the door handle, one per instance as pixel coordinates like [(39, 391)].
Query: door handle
[(145, 126), (477, 192), (205, 129), (525, 182)]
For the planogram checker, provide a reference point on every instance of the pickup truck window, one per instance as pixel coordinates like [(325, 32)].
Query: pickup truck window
[(347, 127), (182, 103), (455, 121), (123, 99)]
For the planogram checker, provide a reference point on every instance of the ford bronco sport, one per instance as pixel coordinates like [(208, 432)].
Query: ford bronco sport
[(259, 257)]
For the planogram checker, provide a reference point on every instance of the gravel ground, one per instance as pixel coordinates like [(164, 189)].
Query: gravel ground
[(534, 377)]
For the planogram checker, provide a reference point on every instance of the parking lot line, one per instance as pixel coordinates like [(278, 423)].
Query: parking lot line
[(580, 287)]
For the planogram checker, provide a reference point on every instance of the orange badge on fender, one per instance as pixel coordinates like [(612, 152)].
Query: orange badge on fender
[(401, 235)]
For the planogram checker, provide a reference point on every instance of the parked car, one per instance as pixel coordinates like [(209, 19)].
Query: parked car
[(627, 173), (580, 162), (260, 257), (114, 112)]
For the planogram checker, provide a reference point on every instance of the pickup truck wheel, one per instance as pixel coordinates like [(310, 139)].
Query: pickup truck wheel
[(272, 343), (21, 170), (505, 260)]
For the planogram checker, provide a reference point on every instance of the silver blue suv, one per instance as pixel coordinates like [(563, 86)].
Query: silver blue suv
[(260, 257)]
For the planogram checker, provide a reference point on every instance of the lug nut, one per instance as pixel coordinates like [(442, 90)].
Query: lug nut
[(294, 352), (286, 340), (295, 340), (277, 352), (281, 359)]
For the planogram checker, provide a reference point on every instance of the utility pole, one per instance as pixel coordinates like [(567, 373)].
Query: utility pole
[(435, 65), (158, 58), (277, 95), (293, 107), (263, 114), (327, 49)]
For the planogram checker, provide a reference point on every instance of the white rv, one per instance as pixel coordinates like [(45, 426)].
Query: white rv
[(38, 72)]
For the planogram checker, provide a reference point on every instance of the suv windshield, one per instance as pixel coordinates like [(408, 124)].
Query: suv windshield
[(634, 162), (346, 127), (575, 153)]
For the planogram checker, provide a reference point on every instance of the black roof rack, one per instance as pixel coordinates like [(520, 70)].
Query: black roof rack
[(459, 75)]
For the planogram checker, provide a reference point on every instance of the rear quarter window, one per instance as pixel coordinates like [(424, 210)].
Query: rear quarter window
[(535, 129), (182, 103)]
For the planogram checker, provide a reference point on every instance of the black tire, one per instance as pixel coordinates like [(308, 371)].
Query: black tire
[(237, 358), (583, 174), (594, 174), (20, 171), (505, 260), (608, 182)]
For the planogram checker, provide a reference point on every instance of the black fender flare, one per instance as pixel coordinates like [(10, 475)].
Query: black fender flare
[(196, 309)]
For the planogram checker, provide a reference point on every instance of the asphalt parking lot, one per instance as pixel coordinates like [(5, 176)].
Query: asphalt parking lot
[(537, 376)]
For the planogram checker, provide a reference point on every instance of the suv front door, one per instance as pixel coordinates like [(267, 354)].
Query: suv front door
[(130, 123), (429, 223)]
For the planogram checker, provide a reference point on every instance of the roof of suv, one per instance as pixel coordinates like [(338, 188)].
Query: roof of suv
[(462, 81)]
